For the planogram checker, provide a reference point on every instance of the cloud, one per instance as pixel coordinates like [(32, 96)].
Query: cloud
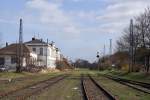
[(90, 16), (7, 21), (52, 15), (117, 14), (77, 0), (112, 18), (77, 25)]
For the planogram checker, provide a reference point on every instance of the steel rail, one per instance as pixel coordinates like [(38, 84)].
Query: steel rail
[(47, 83), (85, 92), (130, 83)]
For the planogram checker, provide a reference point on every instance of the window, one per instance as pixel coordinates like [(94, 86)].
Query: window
[(41, 51), (2, 61), (13, 60), (34, 49)]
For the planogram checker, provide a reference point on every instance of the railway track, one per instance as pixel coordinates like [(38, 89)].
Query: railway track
[(140, 86), (93, 91), (34, 89)]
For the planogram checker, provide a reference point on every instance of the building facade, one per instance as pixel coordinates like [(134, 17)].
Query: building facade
[(35, 52), (9, 56), (47, 53)]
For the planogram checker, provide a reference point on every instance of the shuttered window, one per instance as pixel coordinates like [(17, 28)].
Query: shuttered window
[(41, 51)]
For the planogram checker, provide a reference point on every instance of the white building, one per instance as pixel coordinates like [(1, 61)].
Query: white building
[(8, 56), (47, 54), (35, 52)]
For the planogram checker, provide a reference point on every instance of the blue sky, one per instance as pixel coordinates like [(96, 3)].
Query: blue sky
[(79, 28)]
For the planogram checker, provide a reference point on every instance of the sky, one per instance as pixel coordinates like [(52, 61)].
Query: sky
[(80, 28)]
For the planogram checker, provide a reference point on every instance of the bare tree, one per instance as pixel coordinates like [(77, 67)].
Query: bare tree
[(143, 28), (141, 39)]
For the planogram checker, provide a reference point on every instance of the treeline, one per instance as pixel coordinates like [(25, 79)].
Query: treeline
[(133, 48), (81, 63)]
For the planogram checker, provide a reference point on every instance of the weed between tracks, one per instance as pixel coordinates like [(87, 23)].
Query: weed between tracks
[(24, 81), (67, 89), (121, 91), (137, 76)]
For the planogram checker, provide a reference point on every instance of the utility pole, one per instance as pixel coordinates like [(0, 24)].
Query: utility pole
[(110, 48), (20, 48), (131, 49), (110, 51), (104, 52)]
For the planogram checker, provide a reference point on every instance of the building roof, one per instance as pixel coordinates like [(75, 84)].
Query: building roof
[(34, 40), (12, 49)]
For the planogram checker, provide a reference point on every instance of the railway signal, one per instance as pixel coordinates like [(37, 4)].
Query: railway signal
[(98, 67)]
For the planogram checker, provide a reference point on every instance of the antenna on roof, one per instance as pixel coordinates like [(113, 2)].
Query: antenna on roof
[(38, 35), (52, 42), (47, 40), (104, 52), (34, 35)]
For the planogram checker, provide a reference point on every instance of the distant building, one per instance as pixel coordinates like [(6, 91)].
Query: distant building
[(35, 52)]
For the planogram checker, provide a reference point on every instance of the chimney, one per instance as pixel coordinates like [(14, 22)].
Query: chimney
[(52, 43), (21, 32), (33, 38), (6, 44), (47, 40)]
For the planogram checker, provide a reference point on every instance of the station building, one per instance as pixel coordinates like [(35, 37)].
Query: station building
[(35, 52)]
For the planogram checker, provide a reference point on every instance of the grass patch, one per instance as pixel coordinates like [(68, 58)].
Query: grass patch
[(67, 89), (120, 91), (137, 76), (13, 75), (25, 81)]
